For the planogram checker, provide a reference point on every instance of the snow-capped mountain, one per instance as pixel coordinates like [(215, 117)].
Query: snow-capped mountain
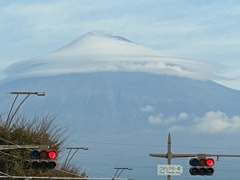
[(100, 53), (108, 89)]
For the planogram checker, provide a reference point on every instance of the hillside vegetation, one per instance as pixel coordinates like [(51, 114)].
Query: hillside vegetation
[(26, 130)]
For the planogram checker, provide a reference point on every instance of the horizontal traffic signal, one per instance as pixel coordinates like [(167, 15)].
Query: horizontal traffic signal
[(43, 154), (43, 159), (43, 164), (201, 166)]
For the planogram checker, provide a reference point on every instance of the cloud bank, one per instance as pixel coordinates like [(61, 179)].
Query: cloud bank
[(211, 123), (94, 52)]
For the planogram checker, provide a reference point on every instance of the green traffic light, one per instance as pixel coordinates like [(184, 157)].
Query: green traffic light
[(194, 162), (35, 154)]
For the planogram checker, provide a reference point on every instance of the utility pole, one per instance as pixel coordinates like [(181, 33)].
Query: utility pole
[(118, 174), (169, 153), (67, 161), (27, 94)]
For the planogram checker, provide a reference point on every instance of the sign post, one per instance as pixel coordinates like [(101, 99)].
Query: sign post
[(169, 170)]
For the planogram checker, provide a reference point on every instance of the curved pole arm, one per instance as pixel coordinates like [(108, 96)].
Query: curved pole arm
[(11, 118)]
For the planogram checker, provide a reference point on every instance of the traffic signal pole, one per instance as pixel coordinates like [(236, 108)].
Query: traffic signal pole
[(169, 155)]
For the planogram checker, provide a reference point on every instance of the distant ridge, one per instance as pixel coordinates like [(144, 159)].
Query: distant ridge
[(101, 34)]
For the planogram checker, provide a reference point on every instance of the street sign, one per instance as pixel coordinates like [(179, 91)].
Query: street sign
[(173, 170)]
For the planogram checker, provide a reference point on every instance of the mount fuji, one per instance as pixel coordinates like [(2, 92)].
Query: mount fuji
[(116, 96), (94, 52)]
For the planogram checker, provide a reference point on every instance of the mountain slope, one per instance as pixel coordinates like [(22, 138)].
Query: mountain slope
[(120, 97)]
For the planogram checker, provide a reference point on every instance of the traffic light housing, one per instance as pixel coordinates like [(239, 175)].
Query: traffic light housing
[(201, 166), (43, 159)]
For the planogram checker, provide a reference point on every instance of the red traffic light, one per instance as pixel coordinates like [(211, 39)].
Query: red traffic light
[(209, 162), (52, 154)]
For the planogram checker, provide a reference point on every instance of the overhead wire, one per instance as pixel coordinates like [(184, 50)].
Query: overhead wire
[(151, 145)]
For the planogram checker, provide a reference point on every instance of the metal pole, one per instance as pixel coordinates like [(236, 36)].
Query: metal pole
[(9, 113), (7, 147), (10, 117), (116, 175), (120, 173), (66, 163), (169, 154)]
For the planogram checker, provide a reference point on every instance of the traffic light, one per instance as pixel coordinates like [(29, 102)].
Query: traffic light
[(201, 166), (43, 159)]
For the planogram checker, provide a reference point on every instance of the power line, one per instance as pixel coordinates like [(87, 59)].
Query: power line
[(116, 155), (119, 144), (151, 145)]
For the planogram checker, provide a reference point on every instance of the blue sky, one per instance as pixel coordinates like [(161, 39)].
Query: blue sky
[(203, 30)]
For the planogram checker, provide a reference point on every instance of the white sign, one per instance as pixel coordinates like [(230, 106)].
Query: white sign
[(173, 170)]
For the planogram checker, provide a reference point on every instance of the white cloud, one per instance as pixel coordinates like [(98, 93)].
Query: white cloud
[(233, 83), (99, 53), (177, 128), (156, 120), (160, 120), (210, 123), (147, 108), (216, 122), (183, 116)]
